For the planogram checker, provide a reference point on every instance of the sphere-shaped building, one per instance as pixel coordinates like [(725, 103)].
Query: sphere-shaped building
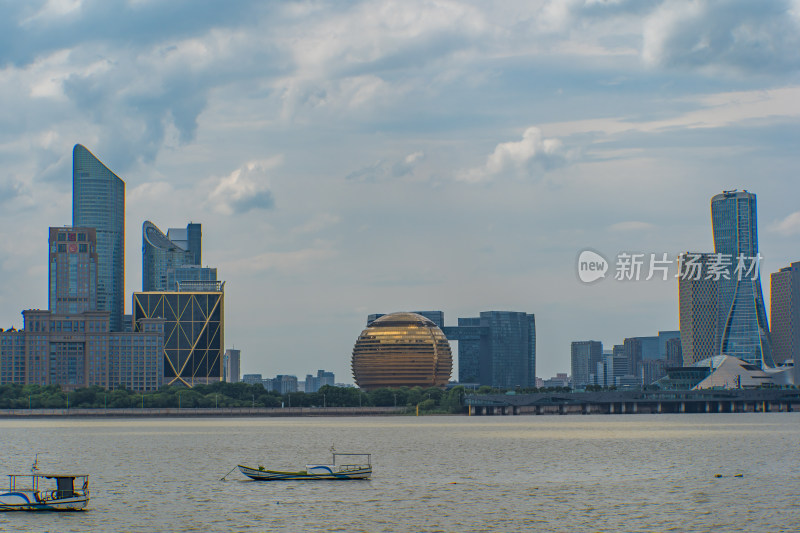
[(402, 350)]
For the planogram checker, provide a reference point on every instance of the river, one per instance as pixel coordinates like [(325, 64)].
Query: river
[(625, 473)]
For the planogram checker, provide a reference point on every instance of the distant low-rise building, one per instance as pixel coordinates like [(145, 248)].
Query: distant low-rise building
[(314, 383)]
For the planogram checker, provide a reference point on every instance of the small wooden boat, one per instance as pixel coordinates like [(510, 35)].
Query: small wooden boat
[(47, 492), (342, 467)]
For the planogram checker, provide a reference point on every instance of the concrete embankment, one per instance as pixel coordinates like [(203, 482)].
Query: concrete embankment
[(202, 412)]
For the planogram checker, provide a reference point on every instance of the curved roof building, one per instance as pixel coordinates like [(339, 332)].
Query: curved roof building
[(98, 201), (159, 256), (402, 350)]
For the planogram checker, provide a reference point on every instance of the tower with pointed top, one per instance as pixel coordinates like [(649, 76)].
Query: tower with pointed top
[(98, 201)]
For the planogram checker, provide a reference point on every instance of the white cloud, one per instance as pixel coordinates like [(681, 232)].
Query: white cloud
[(519, 157), (54, 10), (244, 189), (788, 226)]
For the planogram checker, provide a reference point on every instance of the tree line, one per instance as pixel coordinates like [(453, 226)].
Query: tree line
[(222, 394)]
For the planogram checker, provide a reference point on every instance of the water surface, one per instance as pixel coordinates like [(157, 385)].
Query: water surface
[(548, 473)]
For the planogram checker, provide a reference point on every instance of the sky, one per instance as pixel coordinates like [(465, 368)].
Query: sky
[(355, 157)]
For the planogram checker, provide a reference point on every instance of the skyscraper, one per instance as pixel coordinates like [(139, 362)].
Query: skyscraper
[(98, 201), (744, 332), (784, 313), (194, 328), (496, 349), (584, 356), (698, 311), (72, 271), (160, 255)]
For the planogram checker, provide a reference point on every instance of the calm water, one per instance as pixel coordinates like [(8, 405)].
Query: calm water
[(550, 473)]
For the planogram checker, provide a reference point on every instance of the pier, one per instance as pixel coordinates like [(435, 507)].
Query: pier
[(636, 402)]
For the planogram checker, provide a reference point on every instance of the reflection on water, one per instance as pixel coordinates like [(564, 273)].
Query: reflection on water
[(552, 473)]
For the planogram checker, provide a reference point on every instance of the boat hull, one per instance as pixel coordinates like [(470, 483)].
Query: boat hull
[(311, 473), (27, 501)]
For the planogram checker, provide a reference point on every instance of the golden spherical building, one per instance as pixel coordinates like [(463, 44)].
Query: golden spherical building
[(402, 350)]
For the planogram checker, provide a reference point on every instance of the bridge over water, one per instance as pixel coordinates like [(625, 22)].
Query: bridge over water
[(629, 402)]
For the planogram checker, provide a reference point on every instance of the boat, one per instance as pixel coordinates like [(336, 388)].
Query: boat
[(343, 466), (46, 492)]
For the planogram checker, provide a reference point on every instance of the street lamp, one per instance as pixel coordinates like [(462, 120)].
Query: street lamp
[(179, 399), (323, 400)]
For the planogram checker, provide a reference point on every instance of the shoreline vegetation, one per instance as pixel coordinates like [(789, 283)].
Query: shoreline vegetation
[(220, 399)]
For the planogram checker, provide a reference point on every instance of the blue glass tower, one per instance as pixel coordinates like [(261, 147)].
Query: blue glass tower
[(496, 349), (743, 328), (98, 201)]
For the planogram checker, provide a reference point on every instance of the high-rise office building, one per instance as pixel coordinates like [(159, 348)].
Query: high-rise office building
[(633, 353), (674, 353), (498, 349), (468, 334), (784, 314), (98, 201), (193, 332), (584, 358), (742, 321), (72, 272), (698, 303), (162, 256), (189, 238)]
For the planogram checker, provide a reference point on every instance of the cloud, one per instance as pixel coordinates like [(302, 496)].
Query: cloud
[(383, 170), (788, 226), (244, 189), (738, 35), (317, 223), (532, 154), (15, 194), (631, 225), (289, 262)]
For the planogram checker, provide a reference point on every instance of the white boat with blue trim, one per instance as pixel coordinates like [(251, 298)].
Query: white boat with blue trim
[(39, 491), (343, 466)]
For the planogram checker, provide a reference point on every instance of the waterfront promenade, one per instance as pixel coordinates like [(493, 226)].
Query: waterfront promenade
[(133, 412)]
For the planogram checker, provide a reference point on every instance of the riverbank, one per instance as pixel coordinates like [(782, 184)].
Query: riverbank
[(202, 412)]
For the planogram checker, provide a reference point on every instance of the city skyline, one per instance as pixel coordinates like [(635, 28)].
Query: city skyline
[(381, 156)]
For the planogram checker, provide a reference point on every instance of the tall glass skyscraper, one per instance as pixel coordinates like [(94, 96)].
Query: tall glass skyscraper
[(98, 201), (496, 349), (742, 323), (172, 258)]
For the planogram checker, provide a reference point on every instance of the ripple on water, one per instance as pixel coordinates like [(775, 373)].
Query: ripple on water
[(592, 473)]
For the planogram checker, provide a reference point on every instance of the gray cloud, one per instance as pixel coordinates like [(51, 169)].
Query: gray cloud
[(244, 189), (746, 36), (383, 169)]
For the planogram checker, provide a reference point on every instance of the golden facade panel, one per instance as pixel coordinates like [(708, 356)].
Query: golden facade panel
[(402, 350)]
